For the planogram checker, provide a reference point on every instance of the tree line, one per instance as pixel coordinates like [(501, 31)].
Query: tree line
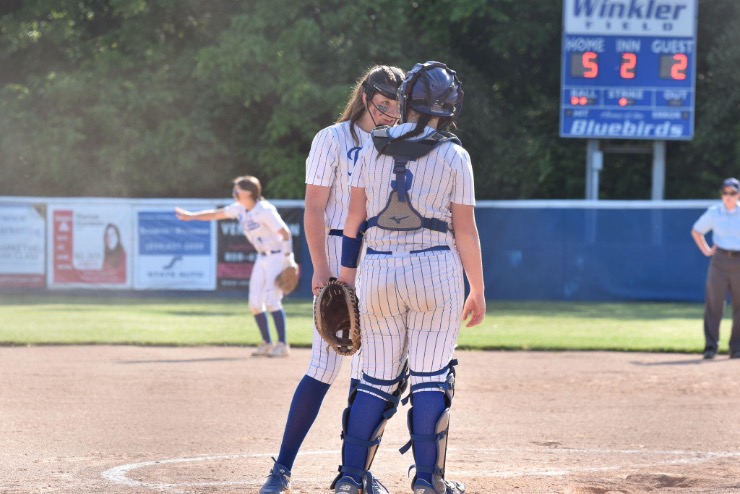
[(173, 98)]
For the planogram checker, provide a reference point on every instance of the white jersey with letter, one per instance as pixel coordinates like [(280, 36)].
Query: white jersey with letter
[(261, 225), (331, 163), (411, 291)]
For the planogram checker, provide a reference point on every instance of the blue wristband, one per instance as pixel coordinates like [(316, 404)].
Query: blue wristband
[(350, 251)]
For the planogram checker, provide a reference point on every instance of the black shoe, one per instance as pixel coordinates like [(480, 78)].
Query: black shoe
[(735, 354), (710, 354)]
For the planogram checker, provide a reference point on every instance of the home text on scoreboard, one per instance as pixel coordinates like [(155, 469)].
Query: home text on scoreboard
[(628, 69)]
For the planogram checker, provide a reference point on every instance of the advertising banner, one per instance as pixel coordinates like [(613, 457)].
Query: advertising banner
[(236, 256), (173, 254), (90, 246), (22, 246)]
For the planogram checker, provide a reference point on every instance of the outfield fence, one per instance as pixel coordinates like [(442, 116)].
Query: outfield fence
[(532, 250)]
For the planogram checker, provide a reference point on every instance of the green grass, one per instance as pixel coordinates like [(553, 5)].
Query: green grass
[(590, 326), (68, 319)]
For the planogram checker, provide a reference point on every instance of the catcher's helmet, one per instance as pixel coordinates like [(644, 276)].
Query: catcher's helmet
[(384, 80), (433, 89)]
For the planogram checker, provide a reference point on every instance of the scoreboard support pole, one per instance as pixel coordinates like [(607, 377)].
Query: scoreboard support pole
[(658, 171), (595, 163)]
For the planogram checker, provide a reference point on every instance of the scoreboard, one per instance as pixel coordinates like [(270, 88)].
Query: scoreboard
[(628, 69)]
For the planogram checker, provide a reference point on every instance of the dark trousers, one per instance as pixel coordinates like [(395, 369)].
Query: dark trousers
[(723, 276)]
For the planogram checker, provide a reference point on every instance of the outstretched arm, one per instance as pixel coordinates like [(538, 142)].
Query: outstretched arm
[(205, 215)]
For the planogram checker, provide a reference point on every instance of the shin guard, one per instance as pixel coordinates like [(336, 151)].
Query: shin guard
[(441, 431), (370, 484)]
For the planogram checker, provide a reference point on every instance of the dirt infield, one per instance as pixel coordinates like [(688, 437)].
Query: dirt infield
[(121, 419)]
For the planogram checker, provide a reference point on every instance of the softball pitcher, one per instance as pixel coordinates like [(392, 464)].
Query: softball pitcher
[(329, 167), (413, 183), (270, 236)]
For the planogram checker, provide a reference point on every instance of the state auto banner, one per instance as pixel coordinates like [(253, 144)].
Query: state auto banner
[(174, 254)]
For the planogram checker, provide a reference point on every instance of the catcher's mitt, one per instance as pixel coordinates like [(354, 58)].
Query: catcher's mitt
[(337, 317), (287, 280)]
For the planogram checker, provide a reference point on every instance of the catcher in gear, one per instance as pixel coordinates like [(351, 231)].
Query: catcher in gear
[(413, 185), (268, 233), (337, 317)]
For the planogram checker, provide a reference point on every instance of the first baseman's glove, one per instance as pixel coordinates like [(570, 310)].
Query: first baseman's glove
[(287, 280), (337, 316)]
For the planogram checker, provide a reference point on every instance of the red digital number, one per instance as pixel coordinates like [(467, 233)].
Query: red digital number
[(678, 70), (590, 64), (627, 69)]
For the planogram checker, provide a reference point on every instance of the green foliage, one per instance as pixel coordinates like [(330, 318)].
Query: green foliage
[(283, 69), (173, 98), (117, 114), (698, 167)]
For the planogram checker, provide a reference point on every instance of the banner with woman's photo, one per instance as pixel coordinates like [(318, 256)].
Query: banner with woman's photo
[(90, 246)]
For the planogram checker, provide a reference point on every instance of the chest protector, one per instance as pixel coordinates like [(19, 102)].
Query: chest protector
[(399, 214)]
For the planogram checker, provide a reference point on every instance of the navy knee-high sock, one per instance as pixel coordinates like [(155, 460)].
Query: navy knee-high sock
[(427, 408), (278, 317), (303, 411), (367, 411), (263, 326)]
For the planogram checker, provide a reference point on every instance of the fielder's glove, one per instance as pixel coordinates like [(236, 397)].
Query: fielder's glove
[(337, 316), (287, 280)]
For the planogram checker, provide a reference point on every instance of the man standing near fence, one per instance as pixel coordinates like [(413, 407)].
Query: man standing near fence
[(724, 268)]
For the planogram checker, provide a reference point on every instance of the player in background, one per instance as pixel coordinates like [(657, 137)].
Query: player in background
[(329, 166), (413, 184), (270, 236)]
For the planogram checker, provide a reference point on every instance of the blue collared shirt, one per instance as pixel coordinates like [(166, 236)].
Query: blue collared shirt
[(724, 224)]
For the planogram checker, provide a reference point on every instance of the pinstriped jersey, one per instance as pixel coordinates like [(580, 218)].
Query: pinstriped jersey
[(331, 163), (434, 182), (260, 224)]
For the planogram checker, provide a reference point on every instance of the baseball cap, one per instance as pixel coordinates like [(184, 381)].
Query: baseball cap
[(731, 183)]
